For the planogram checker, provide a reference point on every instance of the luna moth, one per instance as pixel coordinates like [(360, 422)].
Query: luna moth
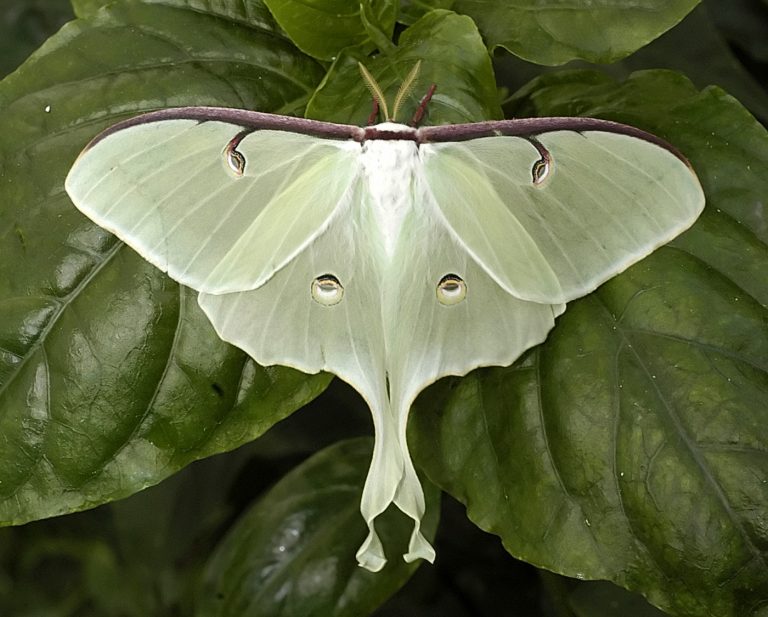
[(390, 255)]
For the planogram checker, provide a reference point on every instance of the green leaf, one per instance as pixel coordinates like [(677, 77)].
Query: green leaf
[(412, 10), (452, 56), (379, 28), (111, 378), (601, 599), (88, 8), (251, 13), (25, 25), (292, 553), (322, 28), (555, 31), (698, 50), (631, 445), (135, 557)]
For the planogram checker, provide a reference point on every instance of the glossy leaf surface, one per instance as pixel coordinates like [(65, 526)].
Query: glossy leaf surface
[(321, 28), (111, 378), (555, 31)]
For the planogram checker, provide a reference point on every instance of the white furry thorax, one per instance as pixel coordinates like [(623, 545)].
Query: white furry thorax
[(389, 167)]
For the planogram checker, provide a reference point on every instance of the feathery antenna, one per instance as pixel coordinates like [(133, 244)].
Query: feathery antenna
[(405, 89), (375, 89), (379, 102)]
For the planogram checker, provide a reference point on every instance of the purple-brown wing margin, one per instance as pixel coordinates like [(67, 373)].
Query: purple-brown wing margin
[(240, 117), (531, 127)]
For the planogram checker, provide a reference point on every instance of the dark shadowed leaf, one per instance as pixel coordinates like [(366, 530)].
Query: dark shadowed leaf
[(25, 25), (744, 23), (700, 51), (602, 599), (293, 553)]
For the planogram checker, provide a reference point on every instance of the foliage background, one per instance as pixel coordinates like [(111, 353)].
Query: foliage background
[(145, 555)]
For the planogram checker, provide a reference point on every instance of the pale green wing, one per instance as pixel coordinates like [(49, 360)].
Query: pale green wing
[(389, 335), (281, 322), (432, 334), (552, 219), (215, 221)]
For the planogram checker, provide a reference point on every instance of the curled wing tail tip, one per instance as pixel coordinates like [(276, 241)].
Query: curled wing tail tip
[(419, 547), (370, 555)]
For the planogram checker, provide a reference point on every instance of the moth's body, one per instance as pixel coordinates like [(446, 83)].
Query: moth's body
[(389, 168), (387, 255)]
